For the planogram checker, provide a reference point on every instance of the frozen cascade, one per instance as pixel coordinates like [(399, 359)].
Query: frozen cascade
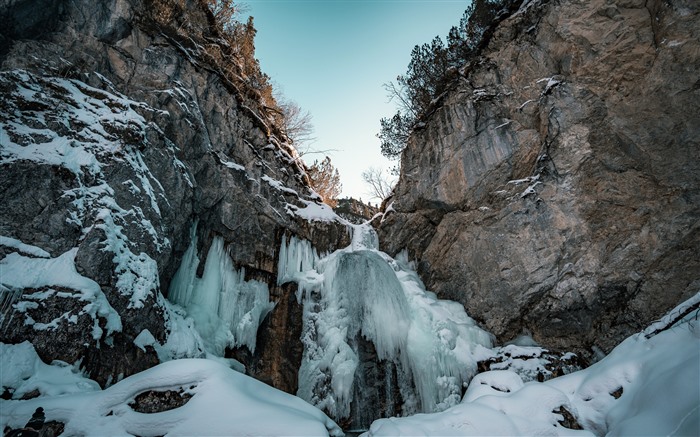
[(227, 310), (297, 263), (359, 295)]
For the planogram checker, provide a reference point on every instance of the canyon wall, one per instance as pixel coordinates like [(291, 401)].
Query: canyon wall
[(555, 188), (119, 134)]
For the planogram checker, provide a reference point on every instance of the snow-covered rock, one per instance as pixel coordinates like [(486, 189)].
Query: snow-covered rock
[(114, 141), (215, 401)]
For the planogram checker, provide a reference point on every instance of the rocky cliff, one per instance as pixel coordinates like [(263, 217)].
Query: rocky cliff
[(555, 188), (123, 140), (355, 211)]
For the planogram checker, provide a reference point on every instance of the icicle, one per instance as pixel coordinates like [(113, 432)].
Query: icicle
[(8, 297), (298, 261), (182, 284), (226, 309)]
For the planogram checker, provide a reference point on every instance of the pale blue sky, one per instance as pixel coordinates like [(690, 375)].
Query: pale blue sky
[(332, 58)]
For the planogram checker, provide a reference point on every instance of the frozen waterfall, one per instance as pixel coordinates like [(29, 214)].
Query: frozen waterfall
[(371, 333), (227, 310), (425, 346)]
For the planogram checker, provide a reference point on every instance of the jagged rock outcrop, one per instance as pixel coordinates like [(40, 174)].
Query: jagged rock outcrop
[(355, 211), (118, 133), (556, 187)]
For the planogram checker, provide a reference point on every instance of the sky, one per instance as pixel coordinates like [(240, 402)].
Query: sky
[(332, 57)]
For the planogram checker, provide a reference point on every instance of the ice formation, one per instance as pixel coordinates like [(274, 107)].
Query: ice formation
[(225, 308), (645, 386), (360, 291)]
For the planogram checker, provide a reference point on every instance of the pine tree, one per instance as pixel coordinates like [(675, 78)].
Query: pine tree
[(433, 67), (394, 133)]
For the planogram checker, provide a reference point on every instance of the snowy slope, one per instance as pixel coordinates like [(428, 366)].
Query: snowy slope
[(645, 386), (223, 402)]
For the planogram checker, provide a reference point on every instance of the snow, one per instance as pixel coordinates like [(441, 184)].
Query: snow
[(551, 83), (527, 102), (135, 159), (530, 190), (18, 272), (23, 372), (279, 186), (658, 379), (91, 117), (313, 211), (224, 402), (533, 180), (503, 124), (674, 313), (524, 6), (145, 338), (356, 291), (528, 179), (24, 248), (233, 166), (362, 291), (226, 309), (137, 274), (84, 129), (57, 151), (529, 362)]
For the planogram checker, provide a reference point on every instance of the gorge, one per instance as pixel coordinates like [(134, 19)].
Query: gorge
[(159, 239)]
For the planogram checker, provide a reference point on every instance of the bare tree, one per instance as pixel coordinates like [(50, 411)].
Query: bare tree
[(397, 92), (296, 123), (380, 184)]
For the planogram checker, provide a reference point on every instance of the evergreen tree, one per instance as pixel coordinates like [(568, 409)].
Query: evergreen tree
[(394, 134), (432, 68), (426, 75)]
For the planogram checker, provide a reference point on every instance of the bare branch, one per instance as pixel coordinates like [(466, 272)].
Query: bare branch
[(379, 183), (395, 92), (308, 150)]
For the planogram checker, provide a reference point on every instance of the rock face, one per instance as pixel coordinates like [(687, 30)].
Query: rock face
[(116, 135), (355, 211), (556, 187)]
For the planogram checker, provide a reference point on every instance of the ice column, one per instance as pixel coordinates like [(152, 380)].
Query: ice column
[(227, 310)]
